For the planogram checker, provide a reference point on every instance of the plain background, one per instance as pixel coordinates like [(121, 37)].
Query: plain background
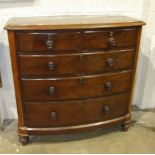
[(144, 96)]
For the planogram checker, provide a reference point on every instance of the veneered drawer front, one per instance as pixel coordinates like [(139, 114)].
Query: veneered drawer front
[(75, 113), (88, 63), (48, 42), (93, 40), (57, 89)]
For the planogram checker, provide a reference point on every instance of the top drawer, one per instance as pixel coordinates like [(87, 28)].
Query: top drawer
[(48, 41), (114, 38)]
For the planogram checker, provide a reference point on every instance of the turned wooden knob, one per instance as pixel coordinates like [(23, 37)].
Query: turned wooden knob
[(51, 90), (49, 42), (53, 115), (106, 109), (51, 65), (112, 42), (110, 62), (108, 85)]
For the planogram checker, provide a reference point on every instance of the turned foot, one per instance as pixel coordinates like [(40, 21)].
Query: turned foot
[(24, 139), (125, 126)]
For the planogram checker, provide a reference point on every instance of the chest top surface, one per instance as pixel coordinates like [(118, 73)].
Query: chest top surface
[(70, 22)]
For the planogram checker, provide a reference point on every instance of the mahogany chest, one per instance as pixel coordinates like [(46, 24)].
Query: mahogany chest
[(73, 73)]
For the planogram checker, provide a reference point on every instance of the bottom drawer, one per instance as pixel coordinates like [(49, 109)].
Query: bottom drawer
[(77, 112)]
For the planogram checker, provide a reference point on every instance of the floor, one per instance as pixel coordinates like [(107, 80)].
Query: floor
[(139, 139)]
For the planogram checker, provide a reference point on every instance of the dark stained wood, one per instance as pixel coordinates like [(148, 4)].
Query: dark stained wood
[(20, 108), (71, 22), (75, 128), (134, 68), (48, 41), (125, 125), (71, 88), (113, 38), (73, 73), (76, 113), (75, 64), (24, 139)]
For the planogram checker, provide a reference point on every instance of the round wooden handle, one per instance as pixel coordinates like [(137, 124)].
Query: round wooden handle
[(112, 42), (53, 115), (106, 109), (51, 65), (49, 44), (110, 62), (108, 85), (51, 90)]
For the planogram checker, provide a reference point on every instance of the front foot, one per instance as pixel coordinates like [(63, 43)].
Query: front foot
[(24, 140), (125, 126)]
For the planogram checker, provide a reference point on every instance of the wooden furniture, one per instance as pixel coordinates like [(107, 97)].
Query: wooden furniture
[(73, 73)]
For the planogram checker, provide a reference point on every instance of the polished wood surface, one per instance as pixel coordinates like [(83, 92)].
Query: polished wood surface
[(49, 41), (75, 74), (113, 38), (75, 64), (78, 112), (74, 88), (70, 22)]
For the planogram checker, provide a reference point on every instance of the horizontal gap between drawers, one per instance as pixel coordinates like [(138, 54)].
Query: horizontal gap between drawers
[(68, 52), (79, 76), (72, 54), (74, 100), (65, 76)]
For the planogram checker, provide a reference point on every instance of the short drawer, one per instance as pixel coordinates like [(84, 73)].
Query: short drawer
[(48, 41), (114, 38), (70, 88), (74, 64), (76, 113)]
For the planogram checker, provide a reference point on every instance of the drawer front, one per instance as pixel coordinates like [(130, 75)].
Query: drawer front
[(75, 113), (57, 89), (94, 63), (48, 42), (109, 39)]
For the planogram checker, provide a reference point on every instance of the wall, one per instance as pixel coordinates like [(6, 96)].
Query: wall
[(142, 9)]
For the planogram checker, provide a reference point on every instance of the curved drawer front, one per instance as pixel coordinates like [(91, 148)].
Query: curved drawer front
[(75, 113), (77, 87), (109, 39), (48, 41), (94, 63)]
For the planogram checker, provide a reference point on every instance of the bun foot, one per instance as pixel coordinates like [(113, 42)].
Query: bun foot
[(24, 140), (125, 126)]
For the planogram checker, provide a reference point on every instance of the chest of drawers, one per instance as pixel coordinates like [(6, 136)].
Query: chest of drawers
[(73, 73)]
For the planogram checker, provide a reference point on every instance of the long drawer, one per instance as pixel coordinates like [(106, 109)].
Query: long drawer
[(86, 63), (75, 113), (82, 87)]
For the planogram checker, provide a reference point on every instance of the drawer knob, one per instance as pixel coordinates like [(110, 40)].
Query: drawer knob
[(53, 115), (106, 109), (108, 85), (51, 90), (110, 62), (112, 42), (49, 42), (51, 65)]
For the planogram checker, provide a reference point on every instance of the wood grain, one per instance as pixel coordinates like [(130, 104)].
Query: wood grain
[(73, 73), (70, 22)]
